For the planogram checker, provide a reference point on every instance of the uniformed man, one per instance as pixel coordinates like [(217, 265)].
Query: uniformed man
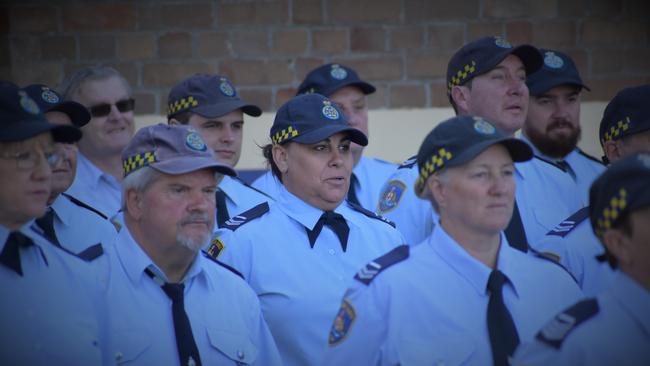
[(343, 86), (486, 78), (299, 252), (69, 222), (614, 328), (552, 125), (52, 311), (463, 296), (211, 104), (108, 97), (169, 303), (624, 130)]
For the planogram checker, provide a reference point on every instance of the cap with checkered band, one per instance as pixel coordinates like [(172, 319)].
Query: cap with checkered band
[(626, 114)]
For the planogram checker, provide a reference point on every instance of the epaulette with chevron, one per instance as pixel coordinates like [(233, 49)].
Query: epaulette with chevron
[(408, 163), (570, 223), (556, 330), (375, 267), (370, 214), (237, 221)]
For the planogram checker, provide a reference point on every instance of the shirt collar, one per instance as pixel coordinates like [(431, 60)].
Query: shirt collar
[(229, 186), (63, 209), (633, 297), (92, 173)]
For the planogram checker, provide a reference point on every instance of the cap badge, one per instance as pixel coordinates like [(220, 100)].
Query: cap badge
[(552, 60), (329, 111), (49, 96), (338, 72), (500, 42), (226, 88), (28, 104), (195, 142), (483, 127)]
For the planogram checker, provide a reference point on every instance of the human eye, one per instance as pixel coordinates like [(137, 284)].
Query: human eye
[(238, 125), (177, 189), (320, 147), (497, 75), (344, 147)]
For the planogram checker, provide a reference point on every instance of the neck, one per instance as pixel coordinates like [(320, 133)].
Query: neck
[(640, 275), (356, 155), (109, 164), (53, 197), (12, 224), (484, 246)]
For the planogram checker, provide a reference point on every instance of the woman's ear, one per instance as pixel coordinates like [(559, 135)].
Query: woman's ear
[(280, 157), (437, 190), (618, 245)]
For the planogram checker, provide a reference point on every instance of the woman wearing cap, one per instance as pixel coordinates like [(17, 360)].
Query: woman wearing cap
[(300, 253), (463, 296)]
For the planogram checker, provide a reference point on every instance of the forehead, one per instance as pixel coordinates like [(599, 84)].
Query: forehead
[(511, 62), (561, 90), (235, 116), (495, 155), (197, 177), (58, 118), (42, 141), (109, 89), (347, 94)]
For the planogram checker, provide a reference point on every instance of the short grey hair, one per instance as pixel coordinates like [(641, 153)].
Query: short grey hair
[(138, 181), (72, 83), (444, 177)]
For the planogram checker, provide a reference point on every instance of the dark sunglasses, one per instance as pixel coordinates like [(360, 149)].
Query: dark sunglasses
[(101, 110)]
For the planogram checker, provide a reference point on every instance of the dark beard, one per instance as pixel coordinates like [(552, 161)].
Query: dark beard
[(558, 147)]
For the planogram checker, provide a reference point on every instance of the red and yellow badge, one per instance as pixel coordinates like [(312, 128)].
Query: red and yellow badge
[(342, 323), (215, 248)]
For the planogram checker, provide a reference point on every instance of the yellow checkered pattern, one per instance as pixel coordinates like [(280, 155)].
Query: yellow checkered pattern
[(181, 105), (137, 161), (611, 212), (617, 129), (461, 76), (284, 135), (434, 164)]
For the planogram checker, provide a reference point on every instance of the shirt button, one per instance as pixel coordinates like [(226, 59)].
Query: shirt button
[(240, 354), (331, 251)]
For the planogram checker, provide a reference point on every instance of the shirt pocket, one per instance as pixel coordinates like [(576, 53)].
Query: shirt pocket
[(441, 349), (132, 344), (237, 347)]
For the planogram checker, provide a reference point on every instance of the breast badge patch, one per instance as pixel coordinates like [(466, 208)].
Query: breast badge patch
[(391, 195), (342, 323), (215, 248)]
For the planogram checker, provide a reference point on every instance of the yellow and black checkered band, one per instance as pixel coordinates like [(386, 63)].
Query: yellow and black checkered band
[(616, 130), (461, 76), (181, 105), (284, 135), (611, 212), (434, 164), (137, 161)]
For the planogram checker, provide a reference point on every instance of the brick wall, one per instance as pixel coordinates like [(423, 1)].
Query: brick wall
[(267, 46)]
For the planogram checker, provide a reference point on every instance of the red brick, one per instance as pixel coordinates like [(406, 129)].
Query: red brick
[(427, 10), (446, 36), (385, 68), (96, 47), (406, 38), (519, 32), (33, 19), (554, 34), (48, 73), (290, 42), (363, 11), (378, 99), (256, 12), (606, 61), (149, 16), (260, 97), (604, 32), (329, 41), (145, 102), (604, 89), (282, 95), (303, 66), (175, 45), (544, 9), (257, 72), (572, 8), (213, 44), (438, 93), (25, 48), (638, 61), (167, 75), (58, 48), (476, 30), (371, 39), (407, 96), (187, 15), (428, 65), (580, 58), (307, 12), (99, 16), (250, 43), (505, 9), (606, 8), (136, 46)]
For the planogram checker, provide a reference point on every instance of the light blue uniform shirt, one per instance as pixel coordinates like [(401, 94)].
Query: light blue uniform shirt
[(371, 175), (431, 308), (96, 188), (574, 242), (55, 313), (541, 200), (239, 197), (300, 287), (78, 228), (224, 313), (618, 334)]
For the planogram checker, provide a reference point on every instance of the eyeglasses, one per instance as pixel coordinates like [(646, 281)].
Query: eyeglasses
[(101, 110), (29, 159)]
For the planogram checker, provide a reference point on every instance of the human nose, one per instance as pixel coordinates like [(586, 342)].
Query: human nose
[(43, 167), (227, 135)]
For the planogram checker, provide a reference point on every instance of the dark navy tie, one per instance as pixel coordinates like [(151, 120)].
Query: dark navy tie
[(336, 222), (352, 192), (515, 232), (10, 255), (46, 223), (503, 333), (222, 209), (566, 168)]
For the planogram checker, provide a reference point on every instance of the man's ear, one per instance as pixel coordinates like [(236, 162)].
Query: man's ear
[(612, 150), (134, 204), (461, 97), (280, 157), (618, 245)]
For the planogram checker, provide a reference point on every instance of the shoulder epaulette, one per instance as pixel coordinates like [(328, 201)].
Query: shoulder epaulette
[(570, 223), (591, 157), (408, 163), (237, 221), (253, 188), (370, 214), (555, 259), (556, 330), (372, 269), (553, 164), (91, 253), (231, 269), (85, 205)]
